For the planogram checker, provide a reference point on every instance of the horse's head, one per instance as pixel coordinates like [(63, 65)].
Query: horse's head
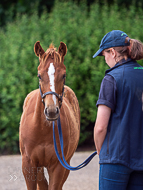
[(51, 73)]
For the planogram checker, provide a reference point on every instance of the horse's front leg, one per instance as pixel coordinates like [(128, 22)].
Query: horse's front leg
[(30, 173), (42, 183), (57, 177)]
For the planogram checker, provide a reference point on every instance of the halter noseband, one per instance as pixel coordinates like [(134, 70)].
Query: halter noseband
[(60, 97)]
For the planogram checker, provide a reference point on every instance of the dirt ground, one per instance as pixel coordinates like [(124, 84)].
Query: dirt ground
[(11, 177)]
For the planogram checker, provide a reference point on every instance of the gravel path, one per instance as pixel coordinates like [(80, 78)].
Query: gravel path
[(11, 177)]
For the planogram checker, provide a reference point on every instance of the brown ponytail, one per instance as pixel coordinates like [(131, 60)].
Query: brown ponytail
[(135, 50)]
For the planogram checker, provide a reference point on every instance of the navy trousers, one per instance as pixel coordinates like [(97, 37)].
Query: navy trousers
[(119, 177)]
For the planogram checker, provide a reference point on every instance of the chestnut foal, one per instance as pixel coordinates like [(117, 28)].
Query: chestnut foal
[(41, 107)]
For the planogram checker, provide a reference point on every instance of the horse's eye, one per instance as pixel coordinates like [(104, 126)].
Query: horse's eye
[(39, 76), (64, 76)]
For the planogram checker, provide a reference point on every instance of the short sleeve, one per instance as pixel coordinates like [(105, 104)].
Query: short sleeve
[(107, 94)]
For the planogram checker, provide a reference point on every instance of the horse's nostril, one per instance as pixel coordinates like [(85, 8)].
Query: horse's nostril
[(57, 109), (45, 111), (51, 112)]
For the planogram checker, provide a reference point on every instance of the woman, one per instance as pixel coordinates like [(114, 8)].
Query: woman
[(118, 131)]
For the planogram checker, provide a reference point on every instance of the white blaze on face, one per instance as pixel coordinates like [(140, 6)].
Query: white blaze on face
[(51, 72)]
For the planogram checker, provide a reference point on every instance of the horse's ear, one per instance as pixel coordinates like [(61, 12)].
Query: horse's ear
[(62, 50), (38, 49)]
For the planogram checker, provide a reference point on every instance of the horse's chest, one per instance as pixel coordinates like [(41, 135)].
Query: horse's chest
[(44, 155)]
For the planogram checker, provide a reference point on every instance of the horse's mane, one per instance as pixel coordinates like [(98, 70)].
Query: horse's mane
[(51, 51)]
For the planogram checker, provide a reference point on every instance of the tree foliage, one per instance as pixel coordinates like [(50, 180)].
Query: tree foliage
[(10, 8), (81, 31)]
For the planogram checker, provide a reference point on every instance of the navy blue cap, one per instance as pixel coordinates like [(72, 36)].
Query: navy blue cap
[(115, 38)]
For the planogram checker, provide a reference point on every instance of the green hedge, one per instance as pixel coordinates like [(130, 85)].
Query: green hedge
[(82, 32)]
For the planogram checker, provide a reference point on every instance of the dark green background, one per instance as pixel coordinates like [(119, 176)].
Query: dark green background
[(79, 24)]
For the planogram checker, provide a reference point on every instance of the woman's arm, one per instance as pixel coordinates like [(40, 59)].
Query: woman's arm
[(101, 124)]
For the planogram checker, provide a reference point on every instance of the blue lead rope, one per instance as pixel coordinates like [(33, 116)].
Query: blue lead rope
[(63, 161)]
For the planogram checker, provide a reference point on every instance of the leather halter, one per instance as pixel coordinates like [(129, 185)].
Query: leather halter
[(60, 97)]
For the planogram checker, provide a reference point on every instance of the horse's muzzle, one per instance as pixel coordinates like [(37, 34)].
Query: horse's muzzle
[(52, 112)]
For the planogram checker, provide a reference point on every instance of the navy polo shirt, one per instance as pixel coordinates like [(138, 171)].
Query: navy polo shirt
[(108, 90), (107, 94)]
